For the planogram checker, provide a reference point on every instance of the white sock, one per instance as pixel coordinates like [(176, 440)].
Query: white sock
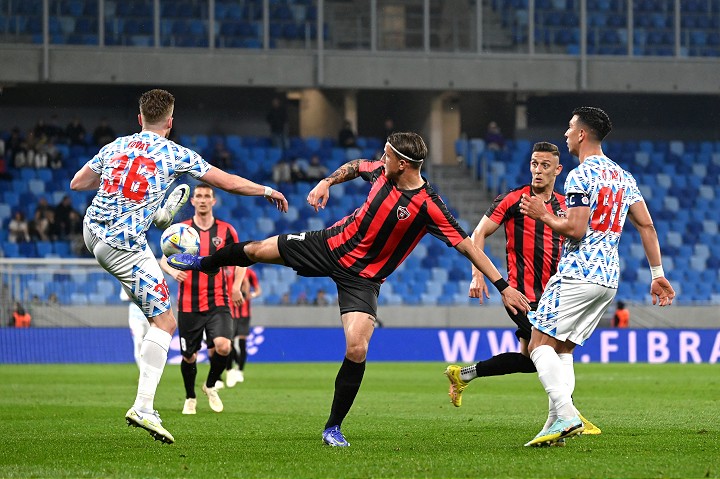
[(550, 373), (569, 373), (552, 414), (154, 352), (468, 373)]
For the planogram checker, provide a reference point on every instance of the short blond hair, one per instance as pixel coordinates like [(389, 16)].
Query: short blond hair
[(156, 105)]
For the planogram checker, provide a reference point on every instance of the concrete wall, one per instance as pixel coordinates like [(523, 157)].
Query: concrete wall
[(359, 69), (391, 316)]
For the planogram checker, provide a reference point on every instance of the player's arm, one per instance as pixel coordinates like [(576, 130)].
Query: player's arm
[(236, 291), (242, 186), (85, 179), (319, 196), (256, 289), (177, 275), (513, 299), (573, 225), (485, 228), (660, 289)]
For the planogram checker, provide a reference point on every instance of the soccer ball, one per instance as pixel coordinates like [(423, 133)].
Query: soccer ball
[(180, 238)]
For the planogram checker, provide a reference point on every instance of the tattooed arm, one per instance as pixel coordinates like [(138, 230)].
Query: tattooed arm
[(319, 196)]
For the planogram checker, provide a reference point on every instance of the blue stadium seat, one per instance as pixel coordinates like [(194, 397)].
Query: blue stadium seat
[(62, 248), (44, 248), (11, 250)]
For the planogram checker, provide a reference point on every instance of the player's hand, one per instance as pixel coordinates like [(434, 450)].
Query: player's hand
[(237, 297), (478, 287), (278, 199), (179, 276), (532, 206), (319, 196), (662, 292), (515, 301)]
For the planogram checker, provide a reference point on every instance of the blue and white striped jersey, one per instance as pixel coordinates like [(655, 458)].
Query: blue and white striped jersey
[(609, 191), (136, 171)]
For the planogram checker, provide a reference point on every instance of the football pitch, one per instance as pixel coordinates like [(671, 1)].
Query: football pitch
[(68, 421)]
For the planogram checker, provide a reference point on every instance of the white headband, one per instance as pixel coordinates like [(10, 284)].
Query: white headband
[(404, 156)]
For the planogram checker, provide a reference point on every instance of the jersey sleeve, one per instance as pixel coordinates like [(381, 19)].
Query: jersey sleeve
[(188, 161), (442, 224), (371, 170), (232, 236), (633, 194), (577, 182), (96, 162), (498, 210)]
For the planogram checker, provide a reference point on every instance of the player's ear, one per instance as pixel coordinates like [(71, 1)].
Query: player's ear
[(140, 119), (169, 124)]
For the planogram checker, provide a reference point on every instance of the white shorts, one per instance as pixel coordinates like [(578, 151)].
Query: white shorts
[(138, 272), (570, 309)]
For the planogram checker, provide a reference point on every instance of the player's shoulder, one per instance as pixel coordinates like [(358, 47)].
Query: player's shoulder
[(514, 194), (229, 228)]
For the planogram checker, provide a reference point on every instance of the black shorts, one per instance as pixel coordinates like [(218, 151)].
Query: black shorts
[(216, 324), (523, 323), (241, 326), (308, 254)]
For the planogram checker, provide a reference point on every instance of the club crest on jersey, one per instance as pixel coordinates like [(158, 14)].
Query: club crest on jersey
[(402, 213), (561, 213), (217, 241)]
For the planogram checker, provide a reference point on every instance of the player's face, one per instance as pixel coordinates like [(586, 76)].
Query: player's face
[(544, 167), (392, 164), (203, 200), (572, 136)]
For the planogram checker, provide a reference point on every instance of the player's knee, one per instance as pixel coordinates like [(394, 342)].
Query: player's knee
[(222, 347), (356, 353)]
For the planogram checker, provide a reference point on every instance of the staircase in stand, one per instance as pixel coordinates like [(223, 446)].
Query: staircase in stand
[(469, 198)]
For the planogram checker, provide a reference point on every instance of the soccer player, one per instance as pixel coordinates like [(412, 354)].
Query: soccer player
[(600, 195), (240, 312), (204, 303), (131, 176), (361, 250), (533, 251)]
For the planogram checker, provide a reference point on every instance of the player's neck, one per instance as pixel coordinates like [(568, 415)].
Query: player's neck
[(157, 131), (409, 182), (544, 194), (204, 221), (590, 150)]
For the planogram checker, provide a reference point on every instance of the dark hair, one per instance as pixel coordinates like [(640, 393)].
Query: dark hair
[(621, 305), (409, 144), (546, 146), (156, 105), (596, 119)]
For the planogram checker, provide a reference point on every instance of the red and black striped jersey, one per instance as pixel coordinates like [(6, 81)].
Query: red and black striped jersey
[(533, 249), (375, 239), (243, 311), (200, 292)]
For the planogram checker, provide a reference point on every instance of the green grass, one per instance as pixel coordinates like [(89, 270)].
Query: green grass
[(67, 421)]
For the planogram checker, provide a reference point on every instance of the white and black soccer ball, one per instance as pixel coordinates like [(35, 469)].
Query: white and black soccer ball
[(180, 238)]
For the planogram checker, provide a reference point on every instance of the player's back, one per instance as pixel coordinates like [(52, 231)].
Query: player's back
[(610, 191), (136, 171)]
